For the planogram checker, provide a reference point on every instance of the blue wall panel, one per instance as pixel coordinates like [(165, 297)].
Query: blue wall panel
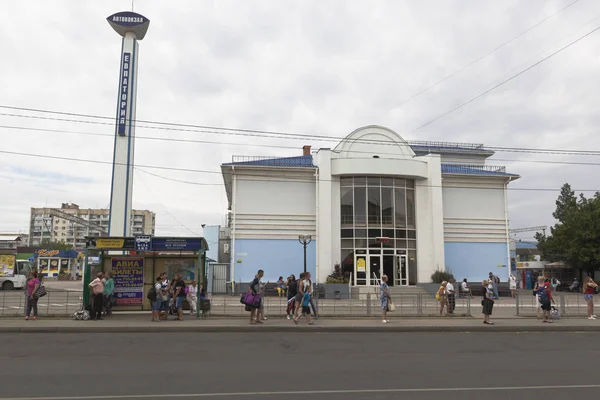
[(276, 257), (475, 261)]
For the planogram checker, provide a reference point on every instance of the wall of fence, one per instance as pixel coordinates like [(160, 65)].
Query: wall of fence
[(569, 304), (12, 303)]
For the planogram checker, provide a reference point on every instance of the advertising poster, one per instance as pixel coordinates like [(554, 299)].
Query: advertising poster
[(7, 265), (128, 274), (187, 268)]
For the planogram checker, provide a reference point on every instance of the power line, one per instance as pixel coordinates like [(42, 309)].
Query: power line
[(295, 179), (367, 141), (505, 81), (165, 208), (417, 94)]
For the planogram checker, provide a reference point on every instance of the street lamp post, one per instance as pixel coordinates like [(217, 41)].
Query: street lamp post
[(304, 240)]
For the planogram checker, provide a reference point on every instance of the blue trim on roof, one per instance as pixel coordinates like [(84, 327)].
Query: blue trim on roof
[(427, 149), (472, 170), (291, 162)]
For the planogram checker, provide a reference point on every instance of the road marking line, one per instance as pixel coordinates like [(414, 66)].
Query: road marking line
[(15, 307), (307, 392), (57, 305)]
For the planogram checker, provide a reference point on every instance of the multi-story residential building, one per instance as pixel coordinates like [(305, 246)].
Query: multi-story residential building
[(71, 224)]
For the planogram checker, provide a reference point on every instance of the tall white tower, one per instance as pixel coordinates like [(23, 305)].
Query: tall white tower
[(132, 27)]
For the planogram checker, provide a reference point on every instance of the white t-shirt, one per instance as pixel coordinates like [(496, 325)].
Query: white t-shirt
[(450, 288), (464, 287), (513, 283)]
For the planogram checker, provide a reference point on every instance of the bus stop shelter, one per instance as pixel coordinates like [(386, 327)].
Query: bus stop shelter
[(135, 262)]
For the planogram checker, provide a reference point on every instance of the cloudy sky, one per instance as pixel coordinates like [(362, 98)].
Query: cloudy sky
[(308, 67)]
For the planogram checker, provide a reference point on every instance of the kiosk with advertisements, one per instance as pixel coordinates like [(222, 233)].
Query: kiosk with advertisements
[(135, 262)]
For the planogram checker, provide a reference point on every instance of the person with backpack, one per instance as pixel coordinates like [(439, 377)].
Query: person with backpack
[(538, 288), (545, 299), (154, 295)]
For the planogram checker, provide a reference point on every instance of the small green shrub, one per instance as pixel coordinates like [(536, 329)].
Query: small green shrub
[(337, 276), (440, 276)]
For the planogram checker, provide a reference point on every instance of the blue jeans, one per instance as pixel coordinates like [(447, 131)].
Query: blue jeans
[(179, 302)]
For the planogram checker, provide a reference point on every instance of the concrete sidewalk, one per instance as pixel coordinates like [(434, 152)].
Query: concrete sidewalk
[(142, 324)]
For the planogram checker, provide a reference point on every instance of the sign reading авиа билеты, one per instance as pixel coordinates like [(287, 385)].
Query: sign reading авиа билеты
[(124, 93)]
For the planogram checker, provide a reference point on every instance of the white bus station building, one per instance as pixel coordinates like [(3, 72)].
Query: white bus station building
[(376, 204)]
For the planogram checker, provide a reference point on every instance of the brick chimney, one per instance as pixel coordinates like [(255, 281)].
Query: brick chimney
[(306, 150)]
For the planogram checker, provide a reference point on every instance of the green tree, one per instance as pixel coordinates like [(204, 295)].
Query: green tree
[(575, 239), (54, 245)]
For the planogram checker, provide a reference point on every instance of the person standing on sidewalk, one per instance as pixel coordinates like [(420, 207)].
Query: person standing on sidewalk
[(299, 295), (165, 286), (179, 295), (32, 286), (546, 302), (97, 288), (442, 297), (192, 296), (450, 292), (255, 288), (494, 281), (588, 294), (109, 290), (157, 302), (384, 293), (309, 282), (537, 289), (487, 302), (512, 284)]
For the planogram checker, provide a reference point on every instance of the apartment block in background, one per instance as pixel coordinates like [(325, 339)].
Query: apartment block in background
[(72, 224)]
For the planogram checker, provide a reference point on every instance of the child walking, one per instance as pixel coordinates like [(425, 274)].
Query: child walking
[(305, 309)]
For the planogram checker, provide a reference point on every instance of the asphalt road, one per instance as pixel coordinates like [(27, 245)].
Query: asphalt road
[(299, 366)]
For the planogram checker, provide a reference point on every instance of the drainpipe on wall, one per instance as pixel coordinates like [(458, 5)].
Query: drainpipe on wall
[(317, 226), (507, 230), (233, 217)]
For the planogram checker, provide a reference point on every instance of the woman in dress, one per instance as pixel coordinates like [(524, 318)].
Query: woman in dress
[(512, 283), (588, 294), (487, 302), (384, 293)]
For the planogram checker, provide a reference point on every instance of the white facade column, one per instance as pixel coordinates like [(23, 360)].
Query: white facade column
[(429, 212), (324, 216)]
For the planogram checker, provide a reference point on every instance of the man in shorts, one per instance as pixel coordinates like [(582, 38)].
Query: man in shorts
[(179, 295)]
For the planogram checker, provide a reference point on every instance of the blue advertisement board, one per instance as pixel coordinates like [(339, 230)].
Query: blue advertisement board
[(176, 244)]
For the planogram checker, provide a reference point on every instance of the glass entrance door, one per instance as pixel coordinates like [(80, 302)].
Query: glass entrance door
[(375, 269), (401, 275), (361, 274)]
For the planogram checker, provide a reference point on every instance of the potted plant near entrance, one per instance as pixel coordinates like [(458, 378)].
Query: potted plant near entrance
[(336, 284)]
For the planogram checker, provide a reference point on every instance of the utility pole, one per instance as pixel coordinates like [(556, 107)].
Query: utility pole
[(304, 240)]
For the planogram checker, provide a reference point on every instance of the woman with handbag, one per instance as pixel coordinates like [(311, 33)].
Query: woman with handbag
[(386, 299), (33, 285), (255, 289), (487, 302)]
